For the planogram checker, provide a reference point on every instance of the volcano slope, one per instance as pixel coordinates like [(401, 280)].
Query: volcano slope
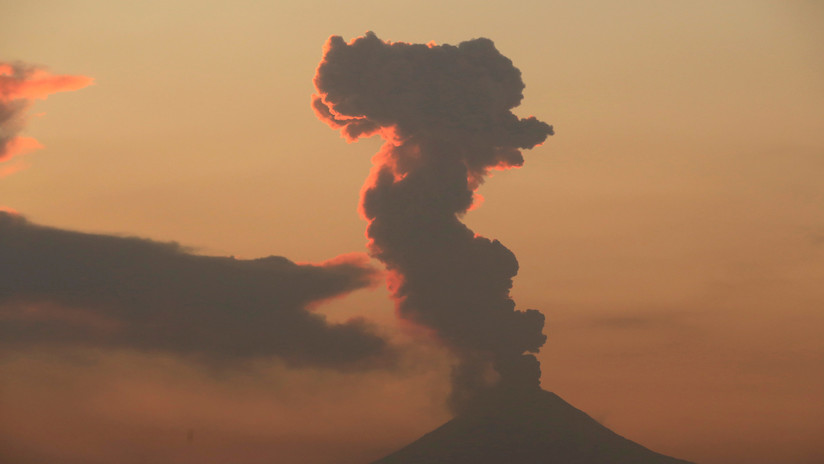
[(524, 426)]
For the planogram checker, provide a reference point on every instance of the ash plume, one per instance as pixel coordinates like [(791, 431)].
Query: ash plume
[(444, 112), (20, 85), (62, 288)]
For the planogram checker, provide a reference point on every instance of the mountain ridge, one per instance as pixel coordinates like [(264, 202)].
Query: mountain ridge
[(526, 426)]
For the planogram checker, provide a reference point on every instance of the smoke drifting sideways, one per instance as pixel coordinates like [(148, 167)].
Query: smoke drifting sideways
[(20, 85), (444, 112), (60, 288)]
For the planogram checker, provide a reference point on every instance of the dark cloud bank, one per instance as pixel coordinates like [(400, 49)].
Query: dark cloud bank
[(445, 113), (67, 288)]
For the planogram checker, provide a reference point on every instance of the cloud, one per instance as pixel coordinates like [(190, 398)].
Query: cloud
[(445, 112), (20, 84), (68, 288)]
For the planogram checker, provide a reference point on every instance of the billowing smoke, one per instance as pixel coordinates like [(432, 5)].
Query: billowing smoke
[(61, 288), (444, 112), (20, 84)]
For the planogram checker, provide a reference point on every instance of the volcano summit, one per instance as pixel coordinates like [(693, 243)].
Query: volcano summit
[(531, 426)]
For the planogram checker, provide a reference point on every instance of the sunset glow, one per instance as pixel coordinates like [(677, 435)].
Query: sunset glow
[(198, 265), (19, 84), (26, 83)]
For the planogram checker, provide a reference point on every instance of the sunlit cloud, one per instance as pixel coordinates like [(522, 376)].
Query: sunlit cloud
[(20, 85)]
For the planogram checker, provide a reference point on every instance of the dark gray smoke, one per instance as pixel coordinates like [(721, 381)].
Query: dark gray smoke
[(67, 288), (445, 113)]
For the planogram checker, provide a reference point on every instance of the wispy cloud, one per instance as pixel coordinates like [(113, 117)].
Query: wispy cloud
[(20, 85)]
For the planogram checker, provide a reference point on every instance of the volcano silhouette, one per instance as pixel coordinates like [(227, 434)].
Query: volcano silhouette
[(524, 426)]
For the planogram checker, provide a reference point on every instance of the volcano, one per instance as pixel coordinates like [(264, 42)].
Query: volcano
[(531, 426)]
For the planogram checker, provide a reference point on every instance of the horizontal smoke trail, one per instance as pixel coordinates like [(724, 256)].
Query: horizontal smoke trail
[(444, 112), (62, 288)]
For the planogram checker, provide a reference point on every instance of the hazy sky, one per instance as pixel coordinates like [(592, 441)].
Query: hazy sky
[(672, 231)]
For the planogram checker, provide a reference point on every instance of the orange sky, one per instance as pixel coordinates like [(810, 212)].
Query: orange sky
[(671, 231)]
